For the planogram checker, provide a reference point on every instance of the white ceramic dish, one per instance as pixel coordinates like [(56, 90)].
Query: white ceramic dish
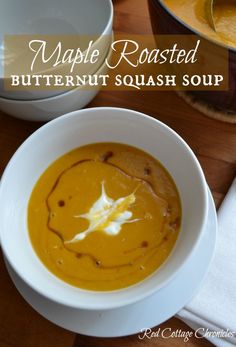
[(55, 17), (145, 314), (76, 129), (53, 107)]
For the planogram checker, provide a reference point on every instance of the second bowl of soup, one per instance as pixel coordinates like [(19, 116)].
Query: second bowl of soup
[(177, 17)]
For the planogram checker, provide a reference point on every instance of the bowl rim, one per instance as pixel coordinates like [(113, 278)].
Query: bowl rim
[(101, 305), (105, 32), (192, 29)]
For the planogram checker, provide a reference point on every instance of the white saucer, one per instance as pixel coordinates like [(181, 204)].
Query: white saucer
[(133, 318)]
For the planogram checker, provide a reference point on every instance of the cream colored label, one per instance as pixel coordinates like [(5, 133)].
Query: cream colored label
[(125, 62)]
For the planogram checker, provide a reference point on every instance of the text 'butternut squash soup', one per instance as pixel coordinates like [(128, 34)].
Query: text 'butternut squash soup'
[(196, 14), (104, 216)]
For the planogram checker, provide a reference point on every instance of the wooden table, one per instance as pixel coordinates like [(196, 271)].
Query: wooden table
[(214, 144)]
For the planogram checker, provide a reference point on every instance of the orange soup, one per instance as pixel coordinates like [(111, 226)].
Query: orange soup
[(104, 216), (194, 13)]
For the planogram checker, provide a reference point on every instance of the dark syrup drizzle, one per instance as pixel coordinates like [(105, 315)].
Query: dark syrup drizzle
[(104, 159)]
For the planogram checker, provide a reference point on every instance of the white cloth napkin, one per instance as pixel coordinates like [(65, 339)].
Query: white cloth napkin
[(214, 307)]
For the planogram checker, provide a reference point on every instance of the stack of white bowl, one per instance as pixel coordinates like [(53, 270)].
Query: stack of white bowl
[(72, 17)]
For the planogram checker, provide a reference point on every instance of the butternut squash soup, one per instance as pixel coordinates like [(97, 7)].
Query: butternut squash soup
[(195, 14), (104, 216)]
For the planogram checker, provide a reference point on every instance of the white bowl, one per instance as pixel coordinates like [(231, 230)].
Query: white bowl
[(53, 107), (77, 129), (55, 17)]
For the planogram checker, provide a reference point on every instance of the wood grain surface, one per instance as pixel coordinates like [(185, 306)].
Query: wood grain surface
[(214, 144)]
